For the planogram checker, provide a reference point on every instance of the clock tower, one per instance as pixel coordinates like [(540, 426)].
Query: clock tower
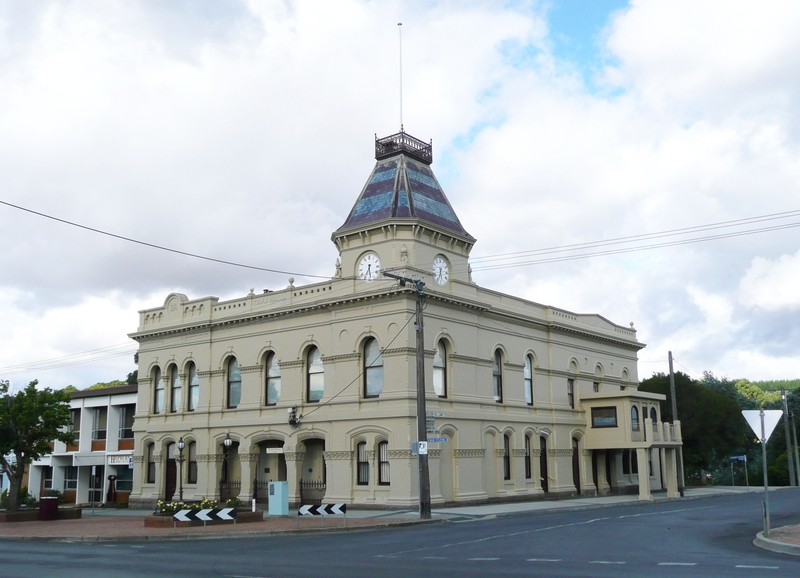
[(402, 221)]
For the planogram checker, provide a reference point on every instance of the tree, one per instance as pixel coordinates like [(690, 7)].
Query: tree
[(29, 420)]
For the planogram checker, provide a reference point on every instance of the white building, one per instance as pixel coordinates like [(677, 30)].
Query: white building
[(103, 420)]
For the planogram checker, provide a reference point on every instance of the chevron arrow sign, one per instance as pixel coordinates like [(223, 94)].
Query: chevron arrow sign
[(205, 515), (324, 510)]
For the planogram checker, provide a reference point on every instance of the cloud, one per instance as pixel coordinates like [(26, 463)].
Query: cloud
[(772, 285), (244, 131)]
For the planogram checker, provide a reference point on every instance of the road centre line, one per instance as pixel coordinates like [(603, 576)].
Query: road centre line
[(495, 537), (606, 562), (665, 512), (482, 559), (543, 560), (758, 567), (677, 563)]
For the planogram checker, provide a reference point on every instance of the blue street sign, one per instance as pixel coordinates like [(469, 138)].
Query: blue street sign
[(740, 458), (438, 440)]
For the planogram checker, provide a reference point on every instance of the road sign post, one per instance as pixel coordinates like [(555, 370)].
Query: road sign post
[(763, 423)]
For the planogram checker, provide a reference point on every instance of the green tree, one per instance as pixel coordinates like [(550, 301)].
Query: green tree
[(29, 420), (711, 422)]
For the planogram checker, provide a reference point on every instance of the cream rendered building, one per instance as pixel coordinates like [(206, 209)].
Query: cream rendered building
[(316, 384)]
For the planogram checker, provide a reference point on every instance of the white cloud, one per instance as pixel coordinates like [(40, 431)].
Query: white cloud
[(772, 285), (243, 131)]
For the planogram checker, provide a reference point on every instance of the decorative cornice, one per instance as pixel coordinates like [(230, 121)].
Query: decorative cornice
[(294, 363), (249, 369), (400, 454), (346, 455), (536, 453), (338, 358), (563, 452), (248, 457), (210, 458), (519, 453), (477, 453), (398, 351), (293, 456), (138, 459), (434, 454), (500, 453), (469, 359)]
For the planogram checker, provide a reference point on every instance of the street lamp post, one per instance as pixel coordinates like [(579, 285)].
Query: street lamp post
[(227, 443), (181, 445)]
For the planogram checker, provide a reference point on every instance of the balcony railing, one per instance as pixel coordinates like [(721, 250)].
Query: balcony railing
[(403, 143)]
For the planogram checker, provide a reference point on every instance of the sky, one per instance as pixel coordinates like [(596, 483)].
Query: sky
[(243, 131)]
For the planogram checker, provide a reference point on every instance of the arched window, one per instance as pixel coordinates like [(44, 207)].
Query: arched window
[(383, 463), (191, 472), (315, 375), (158, 400), (151, 463), (175, 389), (234, 383), (373, 369), (497, 377), (194, 387), (635, 418), (362, 464), (506, 457), (440, 370), (273, 384), (528, 379), (528, 468), (653, 417)]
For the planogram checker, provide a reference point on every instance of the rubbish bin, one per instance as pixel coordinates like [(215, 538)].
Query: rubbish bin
[(48, 508)]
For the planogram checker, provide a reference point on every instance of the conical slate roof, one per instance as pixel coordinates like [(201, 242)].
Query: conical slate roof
[(402, 186)]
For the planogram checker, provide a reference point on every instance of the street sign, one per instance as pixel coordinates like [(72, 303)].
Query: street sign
[(323, 510), (434, 414), (430, 425), (422, 448), (771, 419), (205, 515), (740, 458), (438, 440)]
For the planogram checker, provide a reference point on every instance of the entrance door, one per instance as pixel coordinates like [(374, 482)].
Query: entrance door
[(543, 463), (96, 484), (171, 481), (576, 466)]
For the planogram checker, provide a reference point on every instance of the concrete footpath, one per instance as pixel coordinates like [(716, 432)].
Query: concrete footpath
[(111, 524)]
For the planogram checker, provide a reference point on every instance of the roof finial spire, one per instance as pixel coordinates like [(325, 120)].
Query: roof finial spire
[(400, 36)]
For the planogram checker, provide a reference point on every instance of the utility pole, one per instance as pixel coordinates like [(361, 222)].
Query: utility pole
[(796, 456), (674, 419), (422, 431), (790, 457)]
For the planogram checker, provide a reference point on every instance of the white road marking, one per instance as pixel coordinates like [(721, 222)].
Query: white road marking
[(677, 563), (435, 558), (544, 560), (664, 512), (486, 559), (758, 567), (606, 562)]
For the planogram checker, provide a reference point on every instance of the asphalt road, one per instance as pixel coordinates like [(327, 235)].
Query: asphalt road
[(703, 537)]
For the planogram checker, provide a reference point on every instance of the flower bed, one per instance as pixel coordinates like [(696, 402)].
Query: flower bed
[(32, 515)]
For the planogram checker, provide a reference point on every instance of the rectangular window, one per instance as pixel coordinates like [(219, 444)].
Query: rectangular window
[(528, 469), (363, 464), (124, 479), (383, 463), (74, 420), (126, 413), (571, 392), (191, 474), (71, 478), (604, 417), (596, 386), (99, 423), (47, 478), (151, 464), (506, 458)]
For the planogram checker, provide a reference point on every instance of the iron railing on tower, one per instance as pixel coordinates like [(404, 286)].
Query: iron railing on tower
[(403, 143)]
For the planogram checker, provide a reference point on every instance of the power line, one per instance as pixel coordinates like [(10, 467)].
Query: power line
[(159, 247)]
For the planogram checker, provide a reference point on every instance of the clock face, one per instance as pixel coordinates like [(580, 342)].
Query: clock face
[(441, 273), (369, 267)]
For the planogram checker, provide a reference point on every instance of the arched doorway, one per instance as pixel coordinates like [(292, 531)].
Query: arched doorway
[(171, 477), (543, 463), (313, 477), (576, 465), (271, 468)]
